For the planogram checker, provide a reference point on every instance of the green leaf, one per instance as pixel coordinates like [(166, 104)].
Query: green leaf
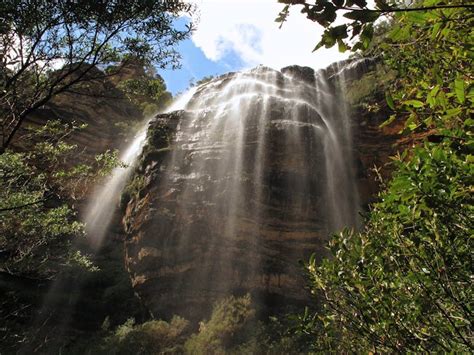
[(389, 100), (341, 46), (459, 89), (327, 40), (469, 122), (417, 17), (452, 112), (362, 15), (387, 122), (431, 97), (339, 32), (411, 122), (283, 15), (366, 35), (400, 33), (413, 103), (435, 31), (319, 45)]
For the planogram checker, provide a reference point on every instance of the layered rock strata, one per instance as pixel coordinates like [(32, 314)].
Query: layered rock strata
[(187, 246)]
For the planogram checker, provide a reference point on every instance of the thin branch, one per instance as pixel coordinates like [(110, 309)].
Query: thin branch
[(22, 206), (411, 9)]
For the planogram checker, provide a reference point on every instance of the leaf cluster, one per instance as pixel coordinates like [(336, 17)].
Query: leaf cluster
[(404, 282), (220, 334), (432, 54), (355, 30), (228, 318), (50, 47), (147, 92), (37, 189)]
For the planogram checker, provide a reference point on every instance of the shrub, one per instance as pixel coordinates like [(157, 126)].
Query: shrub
[(228, 318), (152, 337)]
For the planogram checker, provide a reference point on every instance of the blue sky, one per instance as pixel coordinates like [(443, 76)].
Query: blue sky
[(233, 35), (195, 65)]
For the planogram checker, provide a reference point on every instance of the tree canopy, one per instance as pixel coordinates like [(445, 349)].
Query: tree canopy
[(49, 46), (356, 30)]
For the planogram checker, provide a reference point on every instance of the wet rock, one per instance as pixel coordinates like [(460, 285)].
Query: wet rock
[(305, 74), (233, 200)]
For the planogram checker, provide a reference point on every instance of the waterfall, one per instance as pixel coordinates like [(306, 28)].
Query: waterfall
[(102, 206), (259, 174)]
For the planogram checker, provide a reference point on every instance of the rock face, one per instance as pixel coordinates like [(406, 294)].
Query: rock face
[(108, 114), (232, 192)]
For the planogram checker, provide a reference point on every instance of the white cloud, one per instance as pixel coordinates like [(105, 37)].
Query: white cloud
[(248, 28)]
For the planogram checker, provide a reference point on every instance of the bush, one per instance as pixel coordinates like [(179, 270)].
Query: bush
[(38, 187), (229, 318), (230, 329), (153, 337), (405, 282)]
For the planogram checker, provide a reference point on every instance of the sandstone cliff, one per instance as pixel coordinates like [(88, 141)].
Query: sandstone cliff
[(272, 232), (108, 114)]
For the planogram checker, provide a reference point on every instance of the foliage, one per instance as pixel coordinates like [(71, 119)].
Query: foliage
[(203, 80), (225, 332), (285, 334), (149, 93), (404, 283), (228, 318), (367, 88), (40, 37), (359, 18), (133, 188), (433, 56), (37, 222), (152, 337)]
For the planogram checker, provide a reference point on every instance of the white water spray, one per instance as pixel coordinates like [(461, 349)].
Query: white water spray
[(259, 173), (105, 198)]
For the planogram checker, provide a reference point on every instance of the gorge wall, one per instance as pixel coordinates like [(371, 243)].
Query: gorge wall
[(230, 193)]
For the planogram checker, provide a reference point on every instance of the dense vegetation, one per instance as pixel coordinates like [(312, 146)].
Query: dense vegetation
[(404, 283), (37, 188), (50, 48), (141, 85)]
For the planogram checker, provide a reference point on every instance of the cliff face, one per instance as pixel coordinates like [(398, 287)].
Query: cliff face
[(177, 252), (100, 105), (177, 247)]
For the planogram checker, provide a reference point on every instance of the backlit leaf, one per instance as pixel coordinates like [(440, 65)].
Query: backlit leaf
[(413, 103), (459, 89)]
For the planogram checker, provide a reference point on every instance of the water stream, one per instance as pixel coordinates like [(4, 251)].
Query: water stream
[(259, 174), (105, 198)]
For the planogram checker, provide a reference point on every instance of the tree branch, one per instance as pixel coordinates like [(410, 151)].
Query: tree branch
[(22, 206)]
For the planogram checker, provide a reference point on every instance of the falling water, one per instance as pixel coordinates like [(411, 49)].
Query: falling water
[(102, 206), (260, 172), (63, 298)]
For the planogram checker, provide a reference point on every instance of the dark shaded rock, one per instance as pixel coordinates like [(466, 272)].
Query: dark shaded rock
[(110, 117), (351, 69), (305, 74)]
